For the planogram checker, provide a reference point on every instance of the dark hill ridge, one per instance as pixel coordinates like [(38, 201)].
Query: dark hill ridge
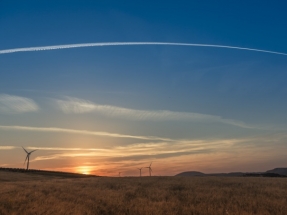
[(47, 173), (191, 173), (195, 173), (280, 171), (277, 172)]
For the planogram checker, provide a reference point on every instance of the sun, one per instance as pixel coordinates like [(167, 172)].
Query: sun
[(86, 170)]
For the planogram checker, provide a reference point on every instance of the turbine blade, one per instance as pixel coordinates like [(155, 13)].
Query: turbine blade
[(32, 151), (25, 150), (150, 164)]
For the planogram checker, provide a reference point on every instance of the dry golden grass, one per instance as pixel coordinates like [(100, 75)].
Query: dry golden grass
[(16, 176), (146, 195)]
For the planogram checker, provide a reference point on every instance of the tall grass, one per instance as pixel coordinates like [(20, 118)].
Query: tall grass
[(146, 195)]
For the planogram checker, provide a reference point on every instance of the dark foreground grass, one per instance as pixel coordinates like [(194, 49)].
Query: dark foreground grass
[(146, 195)]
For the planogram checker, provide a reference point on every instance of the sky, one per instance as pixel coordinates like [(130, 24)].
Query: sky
[(186, 85)]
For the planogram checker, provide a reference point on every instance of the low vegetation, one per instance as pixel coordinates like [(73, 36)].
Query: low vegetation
[(24, 193)]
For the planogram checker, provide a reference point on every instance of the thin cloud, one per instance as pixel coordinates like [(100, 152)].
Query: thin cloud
[(69, 46), (65, 149), (79, 106), (82, 132), (16, 104), (141, 150), (141, 146), (7, 147), (136, 150), (159, 150), (74, 105)]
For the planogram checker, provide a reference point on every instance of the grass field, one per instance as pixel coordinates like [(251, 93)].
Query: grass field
[(23, 193)]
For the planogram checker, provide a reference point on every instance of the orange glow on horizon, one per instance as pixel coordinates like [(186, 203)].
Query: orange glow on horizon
[(86, 170)]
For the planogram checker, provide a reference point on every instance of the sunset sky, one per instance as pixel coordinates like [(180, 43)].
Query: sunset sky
[(131, 98)]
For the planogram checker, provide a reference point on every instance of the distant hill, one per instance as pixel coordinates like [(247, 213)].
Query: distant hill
[(263, 175), (280, 171), (231, 174), (277, 172), (191, 173), (195, 173)]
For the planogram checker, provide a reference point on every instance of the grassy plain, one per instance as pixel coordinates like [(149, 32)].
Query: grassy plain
[(23, 193)]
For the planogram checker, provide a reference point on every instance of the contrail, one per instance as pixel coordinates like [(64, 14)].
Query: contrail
[(81, 45)]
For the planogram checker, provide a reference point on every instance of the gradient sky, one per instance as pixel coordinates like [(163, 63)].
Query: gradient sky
[(107, 109)]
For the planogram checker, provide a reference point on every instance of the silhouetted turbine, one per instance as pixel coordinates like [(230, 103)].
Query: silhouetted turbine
[(140, 169), (27, 157), (149, 168)]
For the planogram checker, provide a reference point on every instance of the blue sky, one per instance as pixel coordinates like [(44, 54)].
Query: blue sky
[(121, 107)]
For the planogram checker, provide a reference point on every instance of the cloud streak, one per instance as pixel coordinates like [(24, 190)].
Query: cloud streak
[(82, 45), (82, 132), (7, 147), (64, 149), (158, 150), (141, 150), (16, 104), (78, 106)]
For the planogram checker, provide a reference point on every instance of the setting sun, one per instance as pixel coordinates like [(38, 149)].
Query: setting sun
[(86, 170)]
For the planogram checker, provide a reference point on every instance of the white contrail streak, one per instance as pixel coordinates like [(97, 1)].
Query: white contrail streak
[(81, 45), (83, 132)]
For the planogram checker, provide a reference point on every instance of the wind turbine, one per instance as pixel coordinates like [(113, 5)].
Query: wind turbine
[(140, 169), (120, 174), (28, 157), (149, 168)]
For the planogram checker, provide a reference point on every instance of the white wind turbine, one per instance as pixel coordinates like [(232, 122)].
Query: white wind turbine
[(28, 157), (149, 168)]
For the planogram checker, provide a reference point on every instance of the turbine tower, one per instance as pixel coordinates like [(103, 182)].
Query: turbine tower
[(149, 168), (120, 174), (140, 169), (28, 157)]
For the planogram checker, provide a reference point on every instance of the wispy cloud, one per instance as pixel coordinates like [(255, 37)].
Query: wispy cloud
[(141, 150), (75, 105), (158, 150), (65, 149), (7, 147), (69, 46), (82, 132), (16, 104), (79, 106)]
